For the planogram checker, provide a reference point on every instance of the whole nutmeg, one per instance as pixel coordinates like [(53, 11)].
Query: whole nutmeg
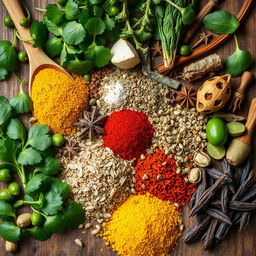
[(202, 159), (10, 246), (24, 220), (194, 175)]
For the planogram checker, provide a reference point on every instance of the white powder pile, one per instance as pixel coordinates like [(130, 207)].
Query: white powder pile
[(114, 94)]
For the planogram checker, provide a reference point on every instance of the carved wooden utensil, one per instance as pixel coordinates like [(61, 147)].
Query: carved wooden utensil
[(240, 147), (238, 97), (37, 58), (211, 46)]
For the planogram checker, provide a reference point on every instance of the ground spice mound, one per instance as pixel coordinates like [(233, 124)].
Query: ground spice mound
[(128, 133), (143, 226), (99, 180), (157, 175), (58, 100)]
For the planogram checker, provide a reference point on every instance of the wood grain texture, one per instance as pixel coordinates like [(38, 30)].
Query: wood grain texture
[(237, 243)]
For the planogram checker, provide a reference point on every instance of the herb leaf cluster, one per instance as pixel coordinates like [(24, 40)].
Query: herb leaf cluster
[(29, 154)]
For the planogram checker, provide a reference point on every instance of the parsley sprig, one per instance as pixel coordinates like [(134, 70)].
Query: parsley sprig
[(29, 154)]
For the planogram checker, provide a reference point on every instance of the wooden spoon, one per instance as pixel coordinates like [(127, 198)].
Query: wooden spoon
[(240, 147), (38, 60)]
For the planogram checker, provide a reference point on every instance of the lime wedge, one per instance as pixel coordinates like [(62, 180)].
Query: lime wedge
[(236, 129), (216, 152)]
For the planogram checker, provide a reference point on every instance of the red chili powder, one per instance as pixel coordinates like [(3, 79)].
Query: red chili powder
[(157, 175), (128, 133)]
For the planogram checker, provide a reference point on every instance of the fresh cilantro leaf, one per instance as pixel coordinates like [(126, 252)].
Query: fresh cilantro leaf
[(84, 16), (8, 56), (29, 156), (109, 22), (8, 150), (99, 55), (53, 46), (52, 203), (39, 33), (74, 33), (74, 215), (95, 26), (61, 188), (22, 103), (53, 28), (38, 137), (3, 74), (54, 14), (4, 100), (9, 231), (54, 224), (80, 67), (16, 130), (6, 211), (114, 34), (71, 10), (49, 166), (63, 56), (97, 11), (72, 50), (36, 183), (39, 233), (5, 112)]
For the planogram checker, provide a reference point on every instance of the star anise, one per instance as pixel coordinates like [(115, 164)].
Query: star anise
[(71, 149), (156, 49), (91, 125), (186, 97)]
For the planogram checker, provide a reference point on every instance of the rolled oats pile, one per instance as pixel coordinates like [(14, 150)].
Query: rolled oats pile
[(99, 180)]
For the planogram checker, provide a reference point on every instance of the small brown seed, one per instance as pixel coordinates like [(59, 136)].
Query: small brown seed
[(10, 246), (24, 220), (80, 226), (181, 227), (176, 205), (145, 177), (194, 175), (88, 225), (159, 177), (143, 186)]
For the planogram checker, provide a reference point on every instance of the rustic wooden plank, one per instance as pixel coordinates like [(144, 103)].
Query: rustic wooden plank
[(237, 244)]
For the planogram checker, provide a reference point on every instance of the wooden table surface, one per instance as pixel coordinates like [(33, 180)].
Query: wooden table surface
[(236, 244)]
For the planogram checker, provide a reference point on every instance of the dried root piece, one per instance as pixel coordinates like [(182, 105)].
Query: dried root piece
[(200, 68)]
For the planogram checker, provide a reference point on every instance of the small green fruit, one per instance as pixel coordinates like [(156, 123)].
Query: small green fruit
[(216, 152), (57, 140), (5, 175), (236, 129), (216, 131)]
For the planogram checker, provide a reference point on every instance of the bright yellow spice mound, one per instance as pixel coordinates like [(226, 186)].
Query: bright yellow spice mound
[(143, 226), (58, 100)]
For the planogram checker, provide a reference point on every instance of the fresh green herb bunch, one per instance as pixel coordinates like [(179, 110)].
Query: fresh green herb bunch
[(29, 154), (171, 23)]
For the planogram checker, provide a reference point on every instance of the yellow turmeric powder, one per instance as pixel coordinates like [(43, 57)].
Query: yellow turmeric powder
[(143, 226), (58, 100)]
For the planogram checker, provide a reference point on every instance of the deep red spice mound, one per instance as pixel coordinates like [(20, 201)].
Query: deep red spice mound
[(157, 175), (128, 133)]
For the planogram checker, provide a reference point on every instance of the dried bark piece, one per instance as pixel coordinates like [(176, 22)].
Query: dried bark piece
[(198, 69), (218, 215), (196, 231), (208, 195)]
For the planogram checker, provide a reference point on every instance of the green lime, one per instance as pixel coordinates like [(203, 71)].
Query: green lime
[(8, 22), (14, 188), (57, 140), (5, 194), (216, 131), (236, 129), (185, 50), (5, 175), (23, 57), (87, 77), (24, 22), (113, 10), (36, 218), (216, 152)]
